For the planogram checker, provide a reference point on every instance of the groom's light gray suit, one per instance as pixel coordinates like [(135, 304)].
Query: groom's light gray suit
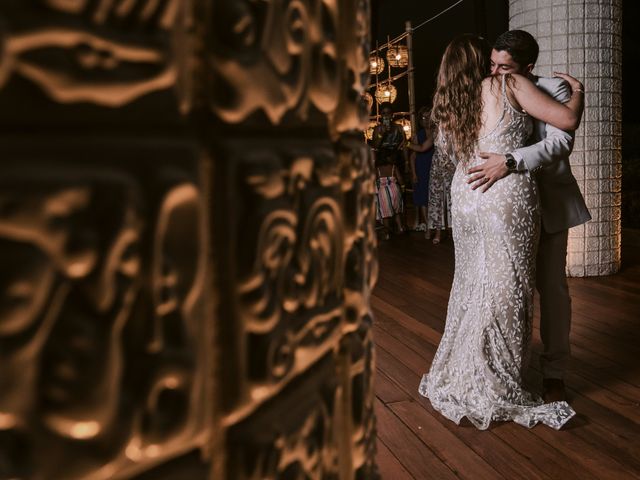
[(563, 207)]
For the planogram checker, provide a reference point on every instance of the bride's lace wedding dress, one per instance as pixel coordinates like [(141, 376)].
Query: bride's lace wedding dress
[(477, 370)]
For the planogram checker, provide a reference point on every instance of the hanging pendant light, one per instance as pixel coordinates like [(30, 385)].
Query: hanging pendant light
[(386, 92), (405, 123), (398, 56), (376, 65)]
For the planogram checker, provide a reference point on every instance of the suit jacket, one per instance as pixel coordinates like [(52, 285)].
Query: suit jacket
[(562, 202)]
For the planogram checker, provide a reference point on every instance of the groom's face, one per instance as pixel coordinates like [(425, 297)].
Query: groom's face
[(502, 62)]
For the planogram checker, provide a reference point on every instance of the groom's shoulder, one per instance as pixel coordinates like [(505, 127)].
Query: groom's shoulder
[(554, 86), (550, 82)]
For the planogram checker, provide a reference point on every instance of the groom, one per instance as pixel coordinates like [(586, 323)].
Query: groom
[(563, 206)]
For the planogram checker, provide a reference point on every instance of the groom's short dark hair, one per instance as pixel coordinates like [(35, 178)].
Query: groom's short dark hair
[(521, 45)]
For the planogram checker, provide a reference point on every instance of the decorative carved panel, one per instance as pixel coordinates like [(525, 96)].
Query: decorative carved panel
[(103, 365), (302, 254), (101, 65), (186, 224)]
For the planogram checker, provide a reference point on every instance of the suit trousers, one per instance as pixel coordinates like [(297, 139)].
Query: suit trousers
[(555, 303)]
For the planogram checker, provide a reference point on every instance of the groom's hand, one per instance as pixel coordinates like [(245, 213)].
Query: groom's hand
[(489, 172)]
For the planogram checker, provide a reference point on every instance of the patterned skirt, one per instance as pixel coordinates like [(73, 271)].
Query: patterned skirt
[(388, 198), (442, 170)]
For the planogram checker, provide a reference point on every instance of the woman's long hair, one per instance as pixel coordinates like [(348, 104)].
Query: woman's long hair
[(457, 103)]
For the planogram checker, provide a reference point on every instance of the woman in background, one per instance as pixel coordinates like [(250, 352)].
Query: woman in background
[(389, 140), (389, 204), (439, 208), (420, 164)]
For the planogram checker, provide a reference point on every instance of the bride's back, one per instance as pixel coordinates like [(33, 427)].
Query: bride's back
[(504, 126)]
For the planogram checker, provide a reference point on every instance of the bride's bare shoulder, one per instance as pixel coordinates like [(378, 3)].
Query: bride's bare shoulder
[(491, 85), (518, 81)]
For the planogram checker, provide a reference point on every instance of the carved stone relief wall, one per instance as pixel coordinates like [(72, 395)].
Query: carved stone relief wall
[(104, 367), (187, 239)]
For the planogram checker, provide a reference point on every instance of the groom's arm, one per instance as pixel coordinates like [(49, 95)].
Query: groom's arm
[(556, 145)]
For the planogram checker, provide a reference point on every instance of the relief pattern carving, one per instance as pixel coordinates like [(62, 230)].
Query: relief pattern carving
[(164, 309), (95, 358), (105, 52), (305, 270), (282, 56)]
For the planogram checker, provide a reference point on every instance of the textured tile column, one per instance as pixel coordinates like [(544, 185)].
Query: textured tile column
[(583, 37)]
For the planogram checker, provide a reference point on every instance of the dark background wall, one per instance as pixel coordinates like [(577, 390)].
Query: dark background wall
[(488, 18), (630, 61), (630, 115)]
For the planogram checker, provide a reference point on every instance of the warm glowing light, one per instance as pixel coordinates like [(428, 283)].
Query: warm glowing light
[(405, 123), (386, 92), (84, 430), (398, 56), (376, 65), (172, 383), (133, 452)]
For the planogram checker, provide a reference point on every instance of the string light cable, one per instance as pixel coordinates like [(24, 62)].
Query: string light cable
[(392, 42)]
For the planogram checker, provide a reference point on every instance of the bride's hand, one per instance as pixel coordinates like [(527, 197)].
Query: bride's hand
[(574, 83)]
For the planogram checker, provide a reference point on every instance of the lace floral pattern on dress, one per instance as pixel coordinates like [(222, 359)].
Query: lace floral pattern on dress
[(477, 370)]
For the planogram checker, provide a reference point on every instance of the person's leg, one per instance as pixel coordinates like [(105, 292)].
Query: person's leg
[(419, 223), (437, 237), (387, 227), (416, 220), (424, 216), (555, 304), (399, 226), (425, 225)]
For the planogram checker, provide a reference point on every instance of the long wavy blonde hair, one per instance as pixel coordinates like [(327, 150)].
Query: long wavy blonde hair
[(457, 102)]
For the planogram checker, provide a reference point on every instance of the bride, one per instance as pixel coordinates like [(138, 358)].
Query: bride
[(477, 370)]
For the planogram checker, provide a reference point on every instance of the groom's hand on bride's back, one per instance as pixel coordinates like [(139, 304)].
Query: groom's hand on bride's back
[(486, 174)]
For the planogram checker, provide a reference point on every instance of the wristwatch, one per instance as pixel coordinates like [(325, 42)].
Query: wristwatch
[(510, 162)]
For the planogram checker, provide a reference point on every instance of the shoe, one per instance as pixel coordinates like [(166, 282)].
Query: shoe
[(553, 390)]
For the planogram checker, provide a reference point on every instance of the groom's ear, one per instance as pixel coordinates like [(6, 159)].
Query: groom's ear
[(530, 67)]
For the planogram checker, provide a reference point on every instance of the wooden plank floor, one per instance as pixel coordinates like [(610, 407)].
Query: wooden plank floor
[(415, 442)]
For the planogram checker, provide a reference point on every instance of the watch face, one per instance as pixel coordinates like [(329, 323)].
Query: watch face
[(511, 163)]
